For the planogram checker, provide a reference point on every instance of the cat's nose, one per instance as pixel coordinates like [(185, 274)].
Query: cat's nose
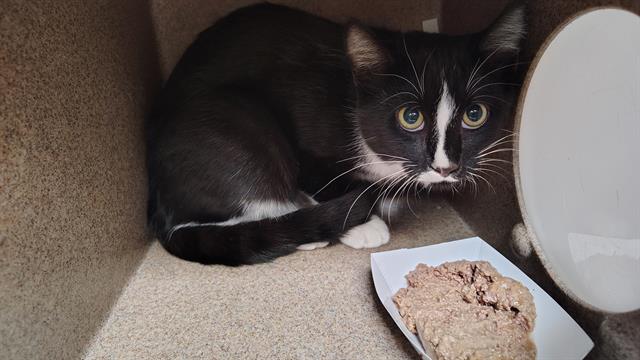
[(444, 172)]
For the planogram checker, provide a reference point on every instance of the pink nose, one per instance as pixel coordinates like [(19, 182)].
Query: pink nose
[(444, 172)]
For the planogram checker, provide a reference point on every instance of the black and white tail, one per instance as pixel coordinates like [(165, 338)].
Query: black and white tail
[(264, 240)]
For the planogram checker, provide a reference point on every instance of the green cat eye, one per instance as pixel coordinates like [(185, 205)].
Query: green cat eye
[(475, 116), (410, 119)]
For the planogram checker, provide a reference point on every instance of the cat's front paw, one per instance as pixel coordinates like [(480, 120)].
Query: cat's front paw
[(371, 234)]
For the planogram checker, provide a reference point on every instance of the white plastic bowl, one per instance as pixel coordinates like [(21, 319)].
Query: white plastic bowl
[(578, 164), (555, 333)]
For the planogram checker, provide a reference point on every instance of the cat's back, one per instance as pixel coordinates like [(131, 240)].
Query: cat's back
[(252, 41), (274, 15)]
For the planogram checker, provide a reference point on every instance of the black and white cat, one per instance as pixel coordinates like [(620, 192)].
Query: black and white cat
[(279, 130)]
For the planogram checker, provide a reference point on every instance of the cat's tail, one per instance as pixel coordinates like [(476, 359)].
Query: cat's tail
[(264, 240)]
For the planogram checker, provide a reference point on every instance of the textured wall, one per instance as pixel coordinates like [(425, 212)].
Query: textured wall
[(177, 23), (465, 17), (74, 83)]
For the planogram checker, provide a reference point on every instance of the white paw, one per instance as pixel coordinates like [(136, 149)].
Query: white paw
[(313, 245), (371, 234)]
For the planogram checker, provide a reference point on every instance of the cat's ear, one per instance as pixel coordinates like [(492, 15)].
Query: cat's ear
[(505, 35), (366, 54)]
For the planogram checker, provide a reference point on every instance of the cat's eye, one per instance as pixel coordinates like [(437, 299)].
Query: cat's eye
[(410, 118), (475, 116)]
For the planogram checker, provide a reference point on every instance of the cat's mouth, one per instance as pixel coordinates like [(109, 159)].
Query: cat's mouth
[(430, 177)]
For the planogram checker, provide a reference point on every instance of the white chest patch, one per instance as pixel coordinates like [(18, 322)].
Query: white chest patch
[(374, 167)]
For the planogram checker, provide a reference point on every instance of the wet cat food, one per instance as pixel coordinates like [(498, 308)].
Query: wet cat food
[(467, 310)]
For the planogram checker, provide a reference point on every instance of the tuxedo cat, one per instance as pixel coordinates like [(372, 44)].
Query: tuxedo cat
[(279, 130)]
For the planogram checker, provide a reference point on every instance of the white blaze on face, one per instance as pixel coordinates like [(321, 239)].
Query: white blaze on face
[(444, 113)]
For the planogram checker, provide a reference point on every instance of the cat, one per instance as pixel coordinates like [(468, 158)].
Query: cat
[(280, 131)]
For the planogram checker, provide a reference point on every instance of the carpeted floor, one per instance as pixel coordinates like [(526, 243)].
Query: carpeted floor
[(310, 305)]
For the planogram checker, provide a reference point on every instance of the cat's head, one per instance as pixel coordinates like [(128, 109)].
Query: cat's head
[(432, 107)]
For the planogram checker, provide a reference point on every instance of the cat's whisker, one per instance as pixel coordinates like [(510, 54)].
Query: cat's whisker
[(483, 179), (399, 190), (404, 42), (473, 182), (505, 141), (386, 186), (424, 67), (495, 160), (474, 175), (476, 82), (467, 180), (355, 144), (390, 189), (486, 170), (456, 187), (453, 190), (472, 75), (495, 151), (499, 168), (367, 155), (354, 169), (492, 84), (344, 224), (496, 165), (403, 190), (476, 69), (411, 183), (400, 77), (470, 180), (496, 146), (383, 190), (495, 143), (492, 97), (400, 94), (416, 188), (389, 209), (502, 138), (459, 184)]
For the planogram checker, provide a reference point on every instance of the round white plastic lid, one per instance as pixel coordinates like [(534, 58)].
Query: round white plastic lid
[(578, 160)]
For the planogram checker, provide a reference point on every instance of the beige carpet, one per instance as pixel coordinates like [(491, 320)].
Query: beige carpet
[(310, 305)]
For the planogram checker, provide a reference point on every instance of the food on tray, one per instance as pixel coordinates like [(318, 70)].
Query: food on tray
[(467, 310)]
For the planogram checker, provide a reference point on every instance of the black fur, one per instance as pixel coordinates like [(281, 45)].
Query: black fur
[(259, 241), (266, 104)]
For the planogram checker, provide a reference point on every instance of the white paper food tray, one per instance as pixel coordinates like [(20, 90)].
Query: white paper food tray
[(556, 334)]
